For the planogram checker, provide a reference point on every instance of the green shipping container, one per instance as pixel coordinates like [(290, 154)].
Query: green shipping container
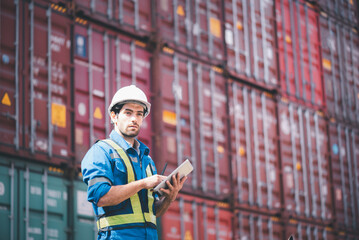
[(33, 201), (84, 222)]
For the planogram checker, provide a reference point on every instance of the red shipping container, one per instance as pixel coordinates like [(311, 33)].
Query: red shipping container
[(299, 53), (134, 17), (305, 230), (344, 142), (255, 153), (11, 137), (195, 218), (257, 226), (345, 11), (305, 163), (104, 62), (250, 41), (340, 59), (193, 28), (190, 122), (43, 110)]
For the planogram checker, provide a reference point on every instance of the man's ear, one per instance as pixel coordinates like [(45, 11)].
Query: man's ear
[(113, 117)]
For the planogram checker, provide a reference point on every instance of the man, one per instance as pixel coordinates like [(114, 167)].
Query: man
[(120, 174)]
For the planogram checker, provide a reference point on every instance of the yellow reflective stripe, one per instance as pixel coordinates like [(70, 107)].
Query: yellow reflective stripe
[(119, 219), (150, 217)]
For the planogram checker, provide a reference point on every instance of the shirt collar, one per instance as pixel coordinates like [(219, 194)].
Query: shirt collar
[(139, 146)]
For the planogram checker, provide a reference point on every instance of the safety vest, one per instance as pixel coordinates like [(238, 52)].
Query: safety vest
[(138, 215)]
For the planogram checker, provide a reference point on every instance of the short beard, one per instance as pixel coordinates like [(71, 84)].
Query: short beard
[(129, 136)]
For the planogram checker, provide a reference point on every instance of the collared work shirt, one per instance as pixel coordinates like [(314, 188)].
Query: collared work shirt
[(102, 168)]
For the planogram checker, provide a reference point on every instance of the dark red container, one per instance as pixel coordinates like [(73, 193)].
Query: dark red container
[(250, 225), (104, 62), (192, 27), (254, 142), (345, 11), (299, 53), (190, 122), (340, 59), (305, 163), (196, 218), (134, 17), (41, 116), (250, 41), (305, 230), (11, 138), (344, 155)]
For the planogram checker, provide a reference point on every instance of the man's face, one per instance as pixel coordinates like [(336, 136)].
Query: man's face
[(129, 120)]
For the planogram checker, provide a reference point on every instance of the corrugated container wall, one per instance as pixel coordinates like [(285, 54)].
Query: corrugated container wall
[(340, 59), (36, 120), (249, 225), (255, 153), (250, 41), (33, 201), (305, 230), (190, 122), (305, 163), (133, 17), (192, 27), (345, 167), (104, 62), (195, 218), (344, 11), (299, 53)]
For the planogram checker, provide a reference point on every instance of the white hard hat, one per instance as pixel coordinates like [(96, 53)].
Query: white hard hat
[(130, 94)]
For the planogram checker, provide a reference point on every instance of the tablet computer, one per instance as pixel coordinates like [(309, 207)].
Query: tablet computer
[(184, 169)]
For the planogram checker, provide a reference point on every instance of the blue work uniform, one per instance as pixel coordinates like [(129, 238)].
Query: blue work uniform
[(103, 167)]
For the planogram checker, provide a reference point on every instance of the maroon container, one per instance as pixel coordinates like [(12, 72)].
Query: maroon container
[(134, 17), (340, 59), (307, 230), (250, 41), (345, 11), (196, 218), (305, 163), (299, 53), (192, 27), (250, 225), (10, 90), (41, 116), (190, 122), (344, 142), (104, 62), (254, 142)]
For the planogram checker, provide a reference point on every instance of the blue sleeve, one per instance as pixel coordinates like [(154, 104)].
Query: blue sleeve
[(97, 170)]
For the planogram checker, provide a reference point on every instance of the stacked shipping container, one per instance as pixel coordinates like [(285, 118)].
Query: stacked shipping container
[(261, 96)]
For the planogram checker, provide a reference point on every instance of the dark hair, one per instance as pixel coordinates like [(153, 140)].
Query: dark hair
[(117, 108)]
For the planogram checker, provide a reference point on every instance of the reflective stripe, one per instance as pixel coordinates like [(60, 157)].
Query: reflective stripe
[(138, 216), (98, 179)]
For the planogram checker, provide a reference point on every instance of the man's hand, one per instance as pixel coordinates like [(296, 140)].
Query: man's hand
[(174, 188), (153, 181)]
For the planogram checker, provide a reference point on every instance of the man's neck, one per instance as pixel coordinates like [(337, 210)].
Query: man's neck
[(129, 140)]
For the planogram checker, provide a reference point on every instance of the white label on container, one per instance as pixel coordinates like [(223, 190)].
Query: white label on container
[(34, 190), (64, 196), (290, 182), (98, 93), (51, 202), (342, 151), (54, 194), (338, 194), (63, 152), (229, 37), (2, 189), (81, 108), (269, 53), (83, 206), (284, 126), (51, 232), (34, 230)]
